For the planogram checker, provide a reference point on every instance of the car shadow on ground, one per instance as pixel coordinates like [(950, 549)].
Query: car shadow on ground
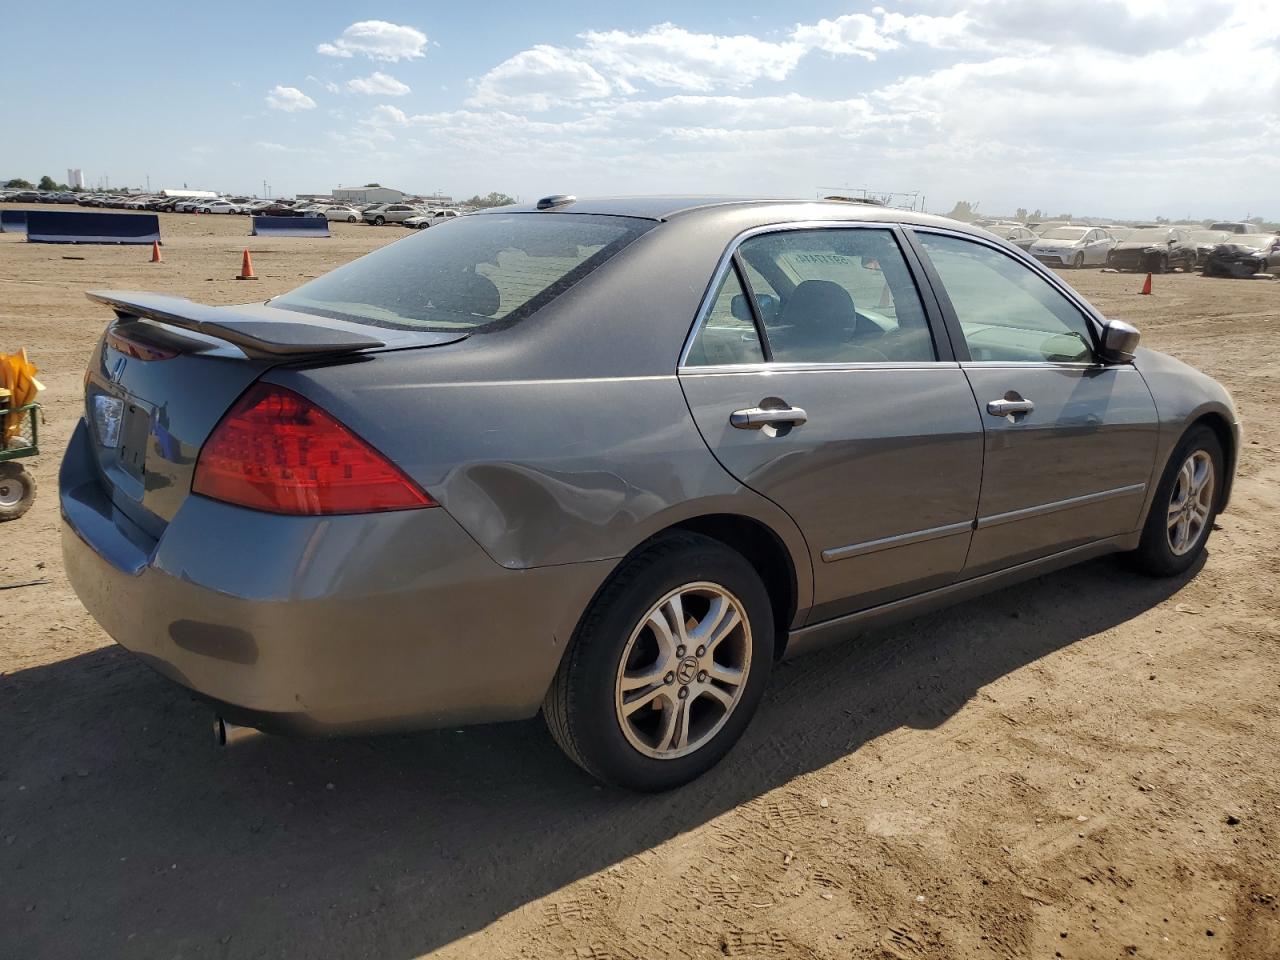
[(124, 831)]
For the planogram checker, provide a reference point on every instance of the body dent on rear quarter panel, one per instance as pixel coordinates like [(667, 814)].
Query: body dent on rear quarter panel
[(1183, 395)]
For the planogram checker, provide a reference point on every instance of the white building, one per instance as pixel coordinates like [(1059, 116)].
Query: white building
[(367, 195), (75, 178)]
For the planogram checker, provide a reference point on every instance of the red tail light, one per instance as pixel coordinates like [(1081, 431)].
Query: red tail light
[(279, 452)]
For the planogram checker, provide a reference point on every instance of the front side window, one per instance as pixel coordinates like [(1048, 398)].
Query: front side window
[(837, 296), (1007, 311)]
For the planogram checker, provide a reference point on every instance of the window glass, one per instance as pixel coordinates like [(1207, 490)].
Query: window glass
[(471, 275), (1006, 310), (837, 296), (729, 334)]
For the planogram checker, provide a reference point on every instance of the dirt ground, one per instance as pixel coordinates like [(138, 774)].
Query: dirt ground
[(1087, 766)]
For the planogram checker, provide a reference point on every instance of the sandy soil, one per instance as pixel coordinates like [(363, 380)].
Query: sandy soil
[(1087, 766)]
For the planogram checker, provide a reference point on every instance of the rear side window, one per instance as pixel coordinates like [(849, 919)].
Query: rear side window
[(837, 296), (476, 272), (728, 334)]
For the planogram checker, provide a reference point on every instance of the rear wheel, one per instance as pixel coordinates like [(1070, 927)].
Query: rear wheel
[(667, 666), (17, 490), (379, 221), (1184, 507)]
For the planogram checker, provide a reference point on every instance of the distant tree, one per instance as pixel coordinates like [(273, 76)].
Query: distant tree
[(1038, 215), (964, 210), (1021, 214), (46, 183), (17, 183), (494, 199), (1066, 216)]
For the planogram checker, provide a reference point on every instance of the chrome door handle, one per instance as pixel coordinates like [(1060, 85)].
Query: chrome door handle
[(754, 418), (1007, 408)]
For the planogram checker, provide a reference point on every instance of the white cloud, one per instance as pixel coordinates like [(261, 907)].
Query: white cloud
[(378, 83), (377, 40), (864, 35), (669, 56), (327, 84), (289, 99), (539, 78)]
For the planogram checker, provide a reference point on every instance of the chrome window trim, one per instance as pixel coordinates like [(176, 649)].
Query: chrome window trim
[(1054, 506), (726, 263), (834, 554), (786, 367)]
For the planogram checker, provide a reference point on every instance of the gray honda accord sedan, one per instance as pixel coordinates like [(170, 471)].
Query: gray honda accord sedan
[(611, 459)]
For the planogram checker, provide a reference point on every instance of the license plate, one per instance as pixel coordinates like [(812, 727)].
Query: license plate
[(108, 412), (135, 430)]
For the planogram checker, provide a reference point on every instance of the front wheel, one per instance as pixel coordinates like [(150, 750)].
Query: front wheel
[(1077, 261), (666, 667), (17, 491), (351, 219), (1184, 507)]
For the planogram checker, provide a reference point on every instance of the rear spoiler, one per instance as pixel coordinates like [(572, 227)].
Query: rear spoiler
[(279, 333)]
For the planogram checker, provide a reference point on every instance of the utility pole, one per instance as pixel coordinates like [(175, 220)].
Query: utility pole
[(148, 183)]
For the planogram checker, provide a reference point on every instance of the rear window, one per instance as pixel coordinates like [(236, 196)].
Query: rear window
[(472, 273)]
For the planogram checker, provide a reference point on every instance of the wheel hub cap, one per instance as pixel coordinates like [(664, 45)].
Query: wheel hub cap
[(665, 719), (1190, 503)]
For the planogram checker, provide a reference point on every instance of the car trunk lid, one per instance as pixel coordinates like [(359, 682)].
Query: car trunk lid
[(167, 369)]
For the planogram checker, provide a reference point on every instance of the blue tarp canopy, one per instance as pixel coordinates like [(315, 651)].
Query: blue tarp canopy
[(57, 226), (290, 227), (13, 221)]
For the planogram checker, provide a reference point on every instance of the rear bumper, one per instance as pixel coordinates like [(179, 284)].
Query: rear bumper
[(322, 625)]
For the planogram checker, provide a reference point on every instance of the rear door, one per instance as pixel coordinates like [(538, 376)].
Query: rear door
[(1070, 442), (816, 378)]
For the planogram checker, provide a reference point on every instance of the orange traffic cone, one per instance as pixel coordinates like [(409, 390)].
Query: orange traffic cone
[(155, 252), (1146, 287), (246, 267)]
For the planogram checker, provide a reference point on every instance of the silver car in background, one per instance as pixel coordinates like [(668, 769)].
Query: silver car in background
[(1015, 233), (1073, 247), (610, 460)]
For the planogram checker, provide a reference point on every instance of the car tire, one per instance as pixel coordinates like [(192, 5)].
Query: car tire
[(379, 221), (1161, 264), (689, 716), (351, 219), (17, 491), (1193, 478), (1077, 261)]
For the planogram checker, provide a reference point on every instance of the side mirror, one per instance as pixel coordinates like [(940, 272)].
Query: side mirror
[(1119, 341)]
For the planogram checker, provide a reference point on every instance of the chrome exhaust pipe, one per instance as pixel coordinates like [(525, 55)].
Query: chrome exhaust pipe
[(229, 734)]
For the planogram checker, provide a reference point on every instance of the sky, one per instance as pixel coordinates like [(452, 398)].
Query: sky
[(1122, 108)]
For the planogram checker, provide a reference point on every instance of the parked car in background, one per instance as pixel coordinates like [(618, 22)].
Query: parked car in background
[(1236, 226), (218, 206), (628, 518), (1206, 240), (1020, 236), (25, 196), (1155, 250), (282, 208), (1073, 247), (422, 221), (255, 206), (1244, 255), (335, 211), (391, 213)]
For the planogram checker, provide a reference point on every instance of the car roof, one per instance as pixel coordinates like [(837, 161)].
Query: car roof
[(769, 210)]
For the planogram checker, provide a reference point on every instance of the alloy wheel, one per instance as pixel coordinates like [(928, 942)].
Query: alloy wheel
[(1190, 503), (683, 670)]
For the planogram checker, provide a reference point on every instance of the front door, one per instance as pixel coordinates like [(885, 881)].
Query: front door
[(815, 380), (1070, 443)]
